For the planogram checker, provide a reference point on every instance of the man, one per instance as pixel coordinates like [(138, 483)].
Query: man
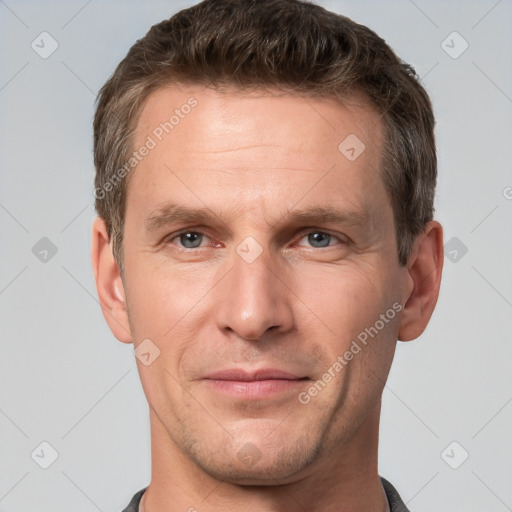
[(265, 181)]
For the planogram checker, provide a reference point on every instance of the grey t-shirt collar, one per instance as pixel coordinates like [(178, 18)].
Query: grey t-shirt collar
[(395, 502)]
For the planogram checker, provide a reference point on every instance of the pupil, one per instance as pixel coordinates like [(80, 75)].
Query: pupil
[(317, 237), (189, 240)]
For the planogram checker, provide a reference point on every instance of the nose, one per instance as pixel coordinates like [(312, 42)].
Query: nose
[(254, 298)]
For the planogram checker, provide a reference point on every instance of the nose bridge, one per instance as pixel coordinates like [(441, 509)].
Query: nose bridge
[(253, 298)]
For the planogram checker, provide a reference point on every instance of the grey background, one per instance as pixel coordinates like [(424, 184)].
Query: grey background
[(67, 381)]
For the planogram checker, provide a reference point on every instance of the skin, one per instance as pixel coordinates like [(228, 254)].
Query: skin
[(253, 159)]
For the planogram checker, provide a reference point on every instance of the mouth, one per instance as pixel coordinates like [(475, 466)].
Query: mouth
[(256, 384)]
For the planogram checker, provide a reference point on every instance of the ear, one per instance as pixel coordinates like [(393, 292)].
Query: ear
[(109, 283), (424, 269)]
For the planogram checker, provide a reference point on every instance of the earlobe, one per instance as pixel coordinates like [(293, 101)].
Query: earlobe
[(424, 270), (109, 284)]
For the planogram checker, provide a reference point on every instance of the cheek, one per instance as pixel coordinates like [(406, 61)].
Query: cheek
[(165, 307), (343, 317), (160, 299), (343, 300)]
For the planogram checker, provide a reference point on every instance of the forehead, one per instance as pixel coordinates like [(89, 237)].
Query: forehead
[(256, 145), (223, 119)]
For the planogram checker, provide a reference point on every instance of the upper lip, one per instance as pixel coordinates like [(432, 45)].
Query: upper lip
[(238, 374)]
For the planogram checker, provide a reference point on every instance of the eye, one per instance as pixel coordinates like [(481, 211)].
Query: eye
[(319, 239), (188, 239), (194, 239)]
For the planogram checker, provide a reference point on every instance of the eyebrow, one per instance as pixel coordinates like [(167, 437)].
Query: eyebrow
[(171, 213)]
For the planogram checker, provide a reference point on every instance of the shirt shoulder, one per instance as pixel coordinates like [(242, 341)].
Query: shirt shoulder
[(133, 506), (395, 502)]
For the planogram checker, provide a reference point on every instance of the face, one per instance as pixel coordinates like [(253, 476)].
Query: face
[(261, 263)]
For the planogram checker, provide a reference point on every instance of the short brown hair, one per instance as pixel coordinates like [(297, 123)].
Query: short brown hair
[(284, 44)]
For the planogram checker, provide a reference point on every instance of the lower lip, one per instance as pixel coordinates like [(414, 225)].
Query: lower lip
[(255, 388)]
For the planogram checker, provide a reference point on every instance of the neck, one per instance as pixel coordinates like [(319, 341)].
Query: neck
[(344, 480)]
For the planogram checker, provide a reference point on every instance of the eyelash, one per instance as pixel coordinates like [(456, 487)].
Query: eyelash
[(301, 235)]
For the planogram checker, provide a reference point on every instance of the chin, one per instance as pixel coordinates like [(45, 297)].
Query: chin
[(247, 465)]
